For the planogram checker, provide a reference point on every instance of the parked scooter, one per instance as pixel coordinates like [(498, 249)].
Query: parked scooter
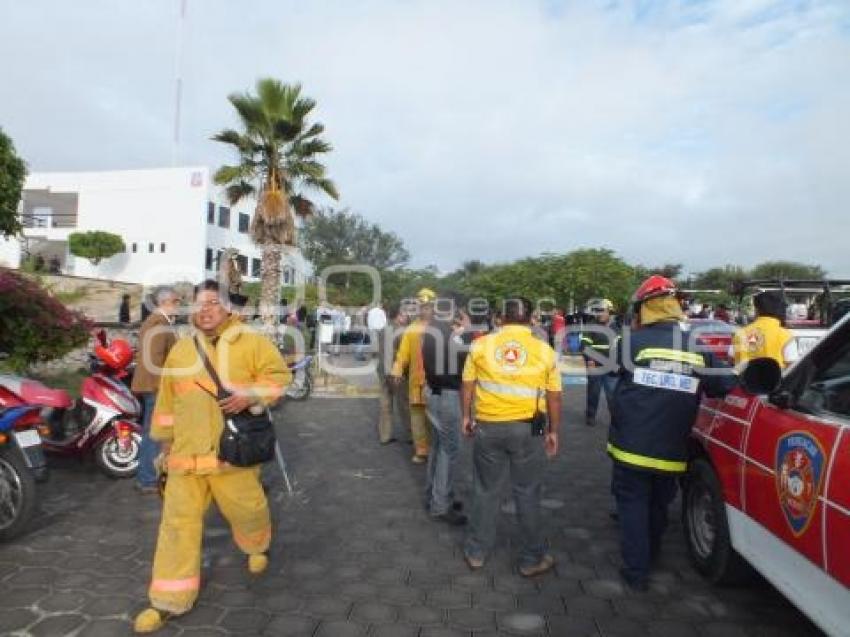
[(302, 379), (21, 465), (104, 419)]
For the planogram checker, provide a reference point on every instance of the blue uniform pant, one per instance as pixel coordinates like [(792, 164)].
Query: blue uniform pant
[(444, 413), (146, 474), (595, 383), (642, 501)]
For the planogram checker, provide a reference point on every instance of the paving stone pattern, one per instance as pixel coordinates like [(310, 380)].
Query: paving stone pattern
[(355, 554)]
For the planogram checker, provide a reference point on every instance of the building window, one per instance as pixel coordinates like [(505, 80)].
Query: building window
[(244, 222), (135, 248), (255, 267), (242, 263), (210, 213), (218, 256), (150, 247), (223, 217), (287, 276), (208, 259), (162, 247)]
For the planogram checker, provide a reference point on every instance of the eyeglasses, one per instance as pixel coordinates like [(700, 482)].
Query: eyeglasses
[(203, 305)]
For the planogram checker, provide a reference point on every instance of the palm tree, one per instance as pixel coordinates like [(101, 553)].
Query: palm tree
[(277, 149)]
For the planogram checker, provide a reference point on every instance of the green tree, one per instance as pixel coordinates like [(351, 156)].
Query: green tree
[(13, 171), (787, 270), (341, 237), (725, 279), (277, 150), (95, 246)]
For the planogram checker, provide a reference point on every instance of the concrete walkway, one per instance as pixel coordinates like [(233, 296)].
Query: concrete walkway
[(355, 554)]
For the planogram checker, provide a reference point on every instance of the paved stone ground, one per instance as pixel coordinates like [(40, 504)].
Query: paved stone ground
[(355, 554)]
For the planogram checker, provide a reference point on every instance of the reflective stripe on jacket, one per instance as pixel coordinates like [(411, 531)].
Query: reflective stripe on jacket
[(655, 402)]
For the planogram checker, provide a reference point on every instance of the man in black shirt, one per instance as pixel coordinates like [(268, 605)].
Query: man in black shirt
[(445, 344)]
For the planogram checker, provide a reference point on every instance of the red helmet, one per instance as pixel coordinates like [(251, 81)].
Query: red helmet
[(654, 286), (116, 355)]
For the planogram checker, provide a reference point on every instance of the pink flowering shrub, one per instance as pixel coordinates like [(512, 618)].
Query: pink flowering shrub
[(34, 325)]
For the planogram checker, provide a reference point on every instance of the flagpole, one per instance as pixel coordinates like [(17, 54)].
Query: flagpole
[(178, 83)]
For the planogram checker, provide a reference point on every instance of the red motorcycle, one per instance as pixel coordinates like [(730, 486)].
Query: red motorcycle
[(103, 421)]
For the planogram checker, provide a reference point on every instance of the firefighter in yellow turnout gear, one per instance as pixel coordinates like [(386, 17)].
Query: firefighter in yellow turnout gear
[(188, 421), (409, 358)]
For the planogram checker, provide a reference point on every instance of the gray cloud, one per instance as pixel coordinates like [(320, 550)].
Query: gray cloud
[(705, 133)]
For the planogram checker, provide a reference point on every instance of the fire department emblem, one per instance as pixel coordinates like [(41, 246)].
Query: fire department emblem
[(799, 477), (511, 355), (754, 340)]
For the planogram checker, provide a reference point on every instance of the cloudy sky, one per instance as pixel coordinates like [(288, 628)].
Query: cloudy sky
[(697, 132)]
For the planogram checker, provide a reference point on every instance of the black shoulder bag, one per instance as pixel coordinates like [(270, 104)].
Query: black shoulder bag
[(247, 439)]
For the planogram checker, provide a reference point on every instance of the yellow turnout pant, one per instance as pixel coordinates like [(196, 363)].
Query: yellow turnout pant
[(420, 430), (177, 563)]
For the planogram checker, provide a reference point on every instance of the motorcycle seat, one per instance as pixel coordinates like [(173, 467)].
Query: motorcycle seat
[(37, 393)]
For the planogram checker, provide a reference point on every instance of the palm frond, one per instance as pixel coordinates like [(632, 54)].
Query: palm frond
[(314, 130), (302, 206), (238, 191), (230, 174), (324, 185)]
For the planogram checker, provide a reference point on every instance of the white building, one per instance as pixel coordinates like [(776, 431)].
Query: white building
[(174, 222)]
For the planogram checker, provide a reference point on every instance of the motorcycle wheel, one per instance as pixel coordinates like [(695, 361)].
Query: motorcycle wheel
[(115, 463), (17, 494), (300, 390)]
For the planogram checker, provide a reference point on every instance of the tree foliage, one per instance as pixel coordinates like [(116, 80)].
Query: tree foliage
[(786, 270), (13, 172), (34, 325), (341, 237), (96, 245)]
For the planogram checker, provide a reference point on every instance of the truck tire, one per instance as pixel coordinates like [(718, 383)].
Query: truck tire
[(707, 528), (17, 493)]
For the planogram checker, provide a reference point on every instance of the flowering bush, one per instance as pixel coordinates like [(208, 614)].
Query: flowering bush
[(34, 325)]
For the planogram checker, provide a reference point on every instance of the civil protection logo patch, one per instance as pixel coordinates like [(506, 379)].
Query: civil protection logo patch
[(800, 464), (511, 355)]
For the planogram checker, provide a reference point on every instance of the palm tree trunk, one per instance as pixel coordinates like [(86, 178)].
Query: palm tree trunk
[(270, 286)]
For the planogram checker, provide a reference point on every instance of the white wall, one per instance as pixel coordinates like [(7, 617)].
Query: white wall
[(159, 206)]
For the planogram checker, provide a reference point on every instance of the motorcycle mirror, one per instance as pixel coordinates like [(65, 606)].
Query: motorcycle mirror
[(761, 376)]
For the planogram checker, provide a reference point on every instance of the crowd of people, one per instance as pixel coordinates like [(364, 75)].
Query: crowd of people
[(446, 372)]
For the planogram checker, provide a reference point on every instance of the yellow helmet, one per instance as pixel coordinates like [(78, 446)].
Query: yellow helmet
[(426, 295)]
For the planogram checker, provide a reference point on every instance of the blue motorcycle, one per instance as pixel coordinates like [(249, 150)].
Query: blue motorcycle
[(22, 463)]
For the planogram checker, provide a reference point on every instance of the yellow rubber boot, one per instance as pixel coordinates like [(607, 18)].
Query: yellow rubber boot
[(257, 563), (149, 620)]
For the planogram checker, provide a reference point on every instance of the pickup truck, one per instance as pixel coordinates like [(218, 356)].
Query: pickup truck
[(769, 480)]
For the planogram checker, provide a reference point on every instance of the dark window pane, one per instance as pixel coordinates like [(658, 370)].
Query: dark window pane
[(242, 263), (224, 217), (135, 247), (255, 267), (210, 212), (244, 222), (208, 260), (162, 247), (150, 247)]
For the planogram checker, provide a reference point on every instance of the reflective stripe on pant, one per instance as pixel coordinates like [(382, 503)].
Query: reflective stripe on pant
[(499, 449), (444, 414), (420, 430), (642, 502), (177, 563)]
